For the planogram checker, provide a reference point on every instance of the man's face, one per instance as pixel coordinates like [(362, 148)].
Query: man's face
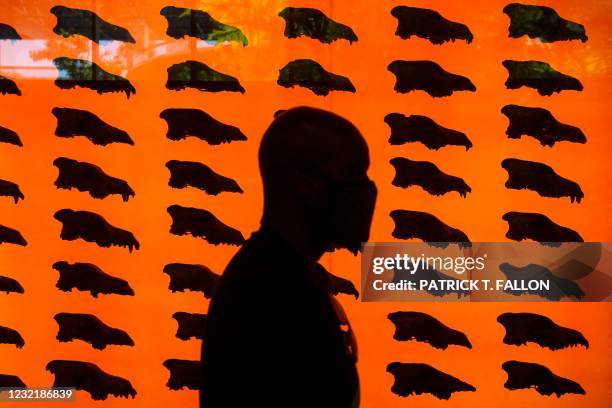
[(348, 199)]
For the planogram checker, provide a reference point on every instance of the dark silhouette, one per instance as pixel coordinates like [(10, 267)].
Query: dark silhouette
[(72, 21), (429, 77), (87, 376), (539, 76), (81, 73), (275, 336), (426, 227), (197, 75), (559, 287), (417, 378), (92, 227), (77, 122), (311, 75), (425, 328), (198, 175), (542, 23), (523, 375), (8, 86), (9, 380), (199, 24), (417, 128), (315, 24), (7, 32), (202, 224), (335, 284), (9, 285), (428, 24), (11, 336), (9, 136), (530, 327), (538, 227), (87, 177), (197, 278), (88, 277), (183, 373), (90, 329), (190, 325), (427, 176), (10, 189), (541, 178), (183, 123), (540, 124), (9, 235)]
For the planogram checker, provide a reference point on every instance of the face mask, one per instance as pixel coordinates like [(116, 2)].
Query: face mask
[(352, 208)]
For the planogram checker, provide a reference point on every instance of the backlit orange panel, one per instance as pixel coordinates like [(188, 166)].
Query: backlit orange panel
[(147, 316)]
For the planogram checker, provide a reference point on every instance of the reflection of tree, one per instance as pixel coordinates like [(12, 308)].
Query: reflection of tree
[(75, 69), (116, 58), (29, 15), (113, 55), (54, 49), (200, 24), (194, 71), (82, 70), (252, 18)]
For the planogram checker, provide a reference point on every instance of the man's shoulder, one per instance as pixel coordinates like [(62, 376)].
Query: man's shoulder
[(253, 258), (254, 265), (264, 252), (260, 273)]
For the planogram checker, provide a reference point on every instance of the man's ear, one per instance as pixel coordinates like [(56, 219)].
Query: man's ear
[(307, 183)]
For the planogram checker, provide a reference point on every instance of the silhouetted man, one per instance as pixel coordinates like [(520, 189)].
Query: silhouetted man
[(275, 337)]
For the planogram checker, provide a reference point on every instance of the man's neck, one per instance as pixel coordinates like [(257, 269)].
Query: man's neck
[(297, 238)]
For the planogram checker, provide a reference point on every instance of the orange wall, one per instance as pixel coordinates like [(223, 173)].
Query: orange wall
[(147, 316)]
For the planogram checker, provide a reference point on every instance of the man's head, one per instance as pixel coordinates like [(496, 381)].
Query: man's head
[(314, 169)]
